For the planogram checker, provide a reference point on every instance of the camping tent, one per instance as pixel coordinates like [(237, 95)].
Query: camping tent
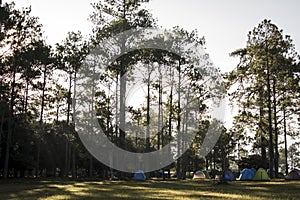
[(246, 174), (139, 176), (229, 176), (201, 174), (253, 170), (206, 174), (261, 175), (293, 175)]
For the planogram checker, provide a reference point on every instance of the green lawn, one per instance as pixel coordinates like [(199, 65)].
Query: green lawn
[(152, 189)]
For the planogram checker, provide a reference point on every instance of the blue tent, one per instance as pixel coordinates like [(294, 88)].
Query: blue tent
[(247, 174), (253, 170), (229, 176), (139, 176)]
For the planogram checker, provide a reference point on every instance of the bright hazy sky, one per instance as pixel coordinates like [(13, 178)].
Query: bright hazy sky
[(223, 23)]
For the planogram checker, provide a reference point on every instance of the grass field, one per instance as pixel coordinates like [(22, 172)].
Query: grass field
[(152, 189)]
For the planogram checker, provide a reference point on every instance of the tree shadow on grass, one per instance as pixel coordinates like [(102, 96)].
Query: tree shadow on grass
[(188, 189)]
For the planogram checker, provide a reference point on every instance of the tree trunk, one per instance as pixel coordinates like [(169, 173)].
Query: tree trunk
[(262, 137), (224, 164), (67, 145), (160, 138), (73, 146), (117, 102), (69, 157), (74, 161), (179, 124), (57, 112), (91, 166), (108, 117), (276, 157), (26, 97), (123, 80), (185, 134), (170, 112), (2, 106), (37, 167), (10, 125), (285, 143), (148, 112), (160, 119), (41, 122), (66, 171), (206, 163), (271, 148)]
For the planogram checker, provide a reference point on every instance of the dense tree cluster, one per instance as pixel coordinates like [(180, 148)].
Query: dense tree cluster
[(265, 86), (37, 88)]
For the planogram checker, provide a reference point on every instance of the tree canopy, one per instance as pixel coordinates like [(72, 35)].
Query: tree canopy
[(146, 95)]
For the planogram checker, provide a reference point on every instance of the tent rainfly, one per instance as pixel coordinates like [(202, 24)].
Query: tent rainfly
[(139, 176), (229, 176), (201, 174), (247, 174), (261, 175), (293, 175)]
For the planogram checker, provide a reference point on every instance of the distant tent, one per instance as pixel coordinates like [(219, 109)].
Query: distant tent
[(261, 175), (268, 172), (295, 168), (206, 174), (293, 175), (201, 174), (214, 172), (253, 170), (139, 176), (246, 174), (229, 176)]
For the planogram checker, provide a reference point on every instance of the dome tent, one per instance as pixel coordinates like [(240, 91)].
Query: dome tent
[(293, 175), (229, 176), (201, 174), (253, 170), (247, 174), (261, 175), (139, 176)]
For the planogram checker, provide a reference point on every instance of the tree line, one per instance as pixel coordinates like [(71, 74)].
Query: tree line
[(37, 125)]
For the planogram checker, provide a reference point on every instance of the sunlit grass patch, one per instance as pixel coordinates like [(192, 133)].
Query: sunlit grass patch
[(152, 189)]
